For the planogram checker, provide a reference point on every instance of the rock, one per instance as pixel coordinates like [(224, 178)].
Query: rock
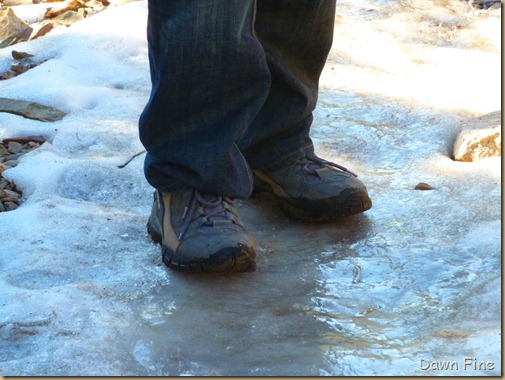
[(68, 18), (12, 28), (10, 163), (8, 75), (423, 186), (480, 137), (18, 55), (30, 110), (92, 7), (20, 68), (25, 140), (14, 147), (484, 4), (11, 3), (9, 196), (2, 168), (59, 10), (41, 29), (10, 206)]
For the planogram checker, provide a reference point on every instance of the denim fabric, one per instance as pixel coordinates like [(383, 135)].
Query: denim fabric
[(234, 84)]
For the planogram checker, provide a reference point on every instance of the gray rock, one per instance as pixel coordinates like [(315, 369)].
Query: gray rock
[(10, 206), (31, 110), (14, 147), (68, 18), (10, 163), (479, 138)]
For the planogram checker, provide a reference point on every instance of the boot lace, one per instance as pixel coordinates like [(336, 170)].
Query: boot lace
[(213, 211), (311, 163)]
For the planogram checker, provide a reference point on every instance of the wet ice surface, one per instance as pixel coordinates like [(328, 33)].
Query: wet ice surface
[(423, 280), (84, 291)]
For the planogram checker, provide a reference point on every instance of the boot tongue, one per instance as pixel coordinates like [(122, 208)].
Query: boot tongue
[(213, 207), (311, 168)]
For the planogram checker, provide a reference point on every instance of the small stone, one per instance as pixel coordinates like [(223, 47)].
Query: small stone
[(423, 186), (68, 18), (10, 163), (41, 29), (11, 3), (14, 147), (9, 196), (8, 75), (14, 156), (20, 68), (2, 168), (3, 150), (18, 55), (32, 145), (10, 206), (25, 139)]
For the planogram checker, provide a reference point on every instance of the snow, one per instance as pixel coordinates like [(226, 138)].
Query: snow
[(418, 276)]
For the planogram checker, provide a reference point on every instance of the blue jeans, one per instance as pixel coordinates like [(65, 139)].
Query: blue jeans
[(234, 84)]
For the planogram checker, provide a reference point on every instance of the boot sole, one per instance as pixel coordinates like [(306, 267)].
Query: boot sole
[(333, 209), (241, 259)]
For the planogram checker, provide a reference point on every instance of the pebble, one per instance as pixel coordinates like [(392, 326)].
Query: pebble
[(10, 152), (9, 195), (10, 206), (423, 186), (14, 147)]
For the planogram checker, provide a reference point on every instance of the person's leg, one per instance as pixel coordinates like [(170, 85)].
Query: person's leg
[(296, 37), (209, 80)]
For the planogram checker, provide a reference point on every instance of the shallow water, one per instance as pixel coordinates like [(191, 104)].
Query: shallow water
[(373, 294)]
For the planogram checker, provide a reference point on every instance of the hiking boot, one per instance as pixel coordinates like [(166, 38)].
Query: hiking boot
[(315, 190), (200, 233)]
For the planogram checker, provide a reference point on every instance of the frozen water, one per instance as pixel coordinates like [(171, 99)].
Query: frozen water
[(84, 292)]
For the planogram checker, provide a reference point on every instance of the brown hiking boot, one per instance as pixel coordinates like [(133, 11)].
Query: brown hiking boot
[(315, 190), (200, 233)]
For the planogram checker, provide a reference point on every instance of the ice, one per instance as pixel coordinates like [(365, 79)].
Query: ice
[(418, 276)]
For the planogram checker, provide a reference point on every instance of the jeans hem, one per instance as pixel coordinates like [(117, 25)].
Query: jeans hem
[(288, 159)]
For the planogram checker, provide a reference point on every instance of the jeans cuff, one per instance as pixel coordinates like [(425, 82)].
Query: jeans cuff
[(289, 159)]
